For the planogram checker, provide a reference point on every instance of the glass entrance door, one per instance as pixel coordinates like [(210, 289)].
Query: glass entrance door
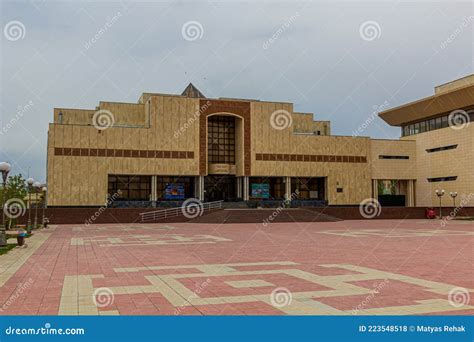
[(220, 187)]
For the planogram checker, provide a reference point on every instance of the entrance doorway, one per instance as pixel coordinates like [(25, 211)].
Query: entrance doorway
[(220, 187), (392, 192)]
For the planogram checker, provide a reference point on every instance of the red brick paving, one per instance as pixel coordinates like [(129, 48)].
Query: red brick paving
[(447, 259)]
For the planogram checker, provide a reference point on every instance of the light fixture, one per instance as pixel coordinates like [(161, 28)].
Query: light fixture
[(5, 169), (453, 196), (37, 186), (44, 189), (440, 193), (30, 181)]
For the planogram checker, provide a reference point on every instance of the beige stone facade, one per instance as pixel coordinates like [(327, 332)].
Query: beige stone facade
[(200, 143), (457, 162), (443, 142)]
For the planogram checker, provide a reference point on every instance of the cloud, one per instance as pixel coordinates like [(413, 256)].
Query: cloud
[(318, 61)]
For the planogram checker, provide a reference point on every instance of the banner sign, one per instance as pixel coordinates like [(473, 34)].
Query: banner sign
[(260, 190), (174, 191)]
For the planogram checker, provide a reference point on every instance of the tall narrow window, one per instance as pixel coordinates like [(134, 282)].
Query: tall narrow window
[(221, 139)]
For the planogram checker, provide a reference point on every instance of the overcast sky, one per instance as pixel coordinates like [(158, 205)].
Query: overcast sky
[(338, 60)]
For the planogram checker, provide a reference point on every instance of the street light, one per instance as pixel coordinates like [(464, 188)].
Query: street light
[(440, 193), (5, 169), (37, 186), (30, 182), (453, 195), (44, 205)]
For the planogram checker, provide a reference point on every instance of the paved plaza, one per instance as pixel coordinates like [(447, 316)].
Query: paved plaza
[(371, 267)]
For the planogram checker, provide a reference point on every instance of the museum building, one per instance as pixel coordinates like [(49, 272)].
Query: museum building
[(168, 148)]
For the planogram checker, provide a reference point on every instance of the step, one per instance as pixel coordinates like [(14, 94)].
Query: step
[(264, 215)]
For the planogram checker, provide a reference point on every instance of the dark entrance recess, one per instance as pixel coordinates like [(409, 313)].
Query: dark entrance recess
[(392, 200), (391, 193), (220, 188), (310, 188)]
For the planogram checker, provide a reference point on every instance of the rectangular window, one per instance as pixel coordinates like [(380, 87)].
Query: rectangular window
[(423, 126), (442, 179), (405, 131), (444, 122), (174, 188), (129, 187), (276, 186), (429, 125), (393, 157), (442, 148), (417, 128), (308, 188)]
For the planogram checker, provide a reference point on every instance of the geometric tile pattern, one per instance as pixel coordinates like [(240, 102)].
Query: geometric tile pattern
[(249, 283), (304, 302), (124, 228), (13, 260), (396, 233), (323, 268), (144, 240)]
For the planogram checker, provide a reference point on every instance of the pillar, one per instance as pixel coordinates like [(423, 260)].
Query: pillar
[(196, 187), (375, 189), (239, 187), (245, 188), (154, 193), (287, 181), (410, 193), (199, 188)]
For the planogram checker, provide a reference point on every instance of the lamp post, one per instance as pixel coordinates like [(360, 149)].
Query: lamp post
[(440, 193), (453, 195), (29, 182), (5, 169), (36, 186), (44, 205)]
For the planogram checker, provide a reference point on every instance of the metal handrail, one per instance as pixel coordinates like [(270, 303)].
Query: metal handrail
[(197, 209)]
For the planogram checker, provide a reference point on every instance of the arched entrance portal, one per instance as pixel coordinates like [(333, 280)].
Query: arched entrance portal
[(223, 140)]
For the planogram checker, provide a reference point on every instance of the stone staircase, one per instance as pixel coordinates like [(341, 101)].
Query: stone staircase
[(235, 205), (270, 215)]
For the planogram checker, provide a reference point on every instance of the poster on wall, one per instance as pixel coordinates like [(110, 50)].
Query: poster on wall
[(174, 191), (260, 190)]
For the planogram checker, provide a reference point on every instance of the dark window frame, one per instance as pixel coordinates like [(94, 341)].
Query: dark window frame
[(132, 187), (163, 181), (442, 148), (442, 179), (221, 139), (382, 156), (441, 121)]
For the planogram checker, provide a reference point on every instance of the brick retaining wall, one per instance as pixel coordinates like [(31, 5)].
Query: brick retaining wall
[(131, 215)]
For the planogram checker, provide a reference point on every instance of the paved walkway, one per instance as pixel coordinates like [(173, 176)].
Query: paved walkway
[(324, 268)]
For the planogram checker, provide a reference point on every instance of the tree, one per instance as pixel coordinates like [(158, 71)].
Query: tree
[(16, 191)]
